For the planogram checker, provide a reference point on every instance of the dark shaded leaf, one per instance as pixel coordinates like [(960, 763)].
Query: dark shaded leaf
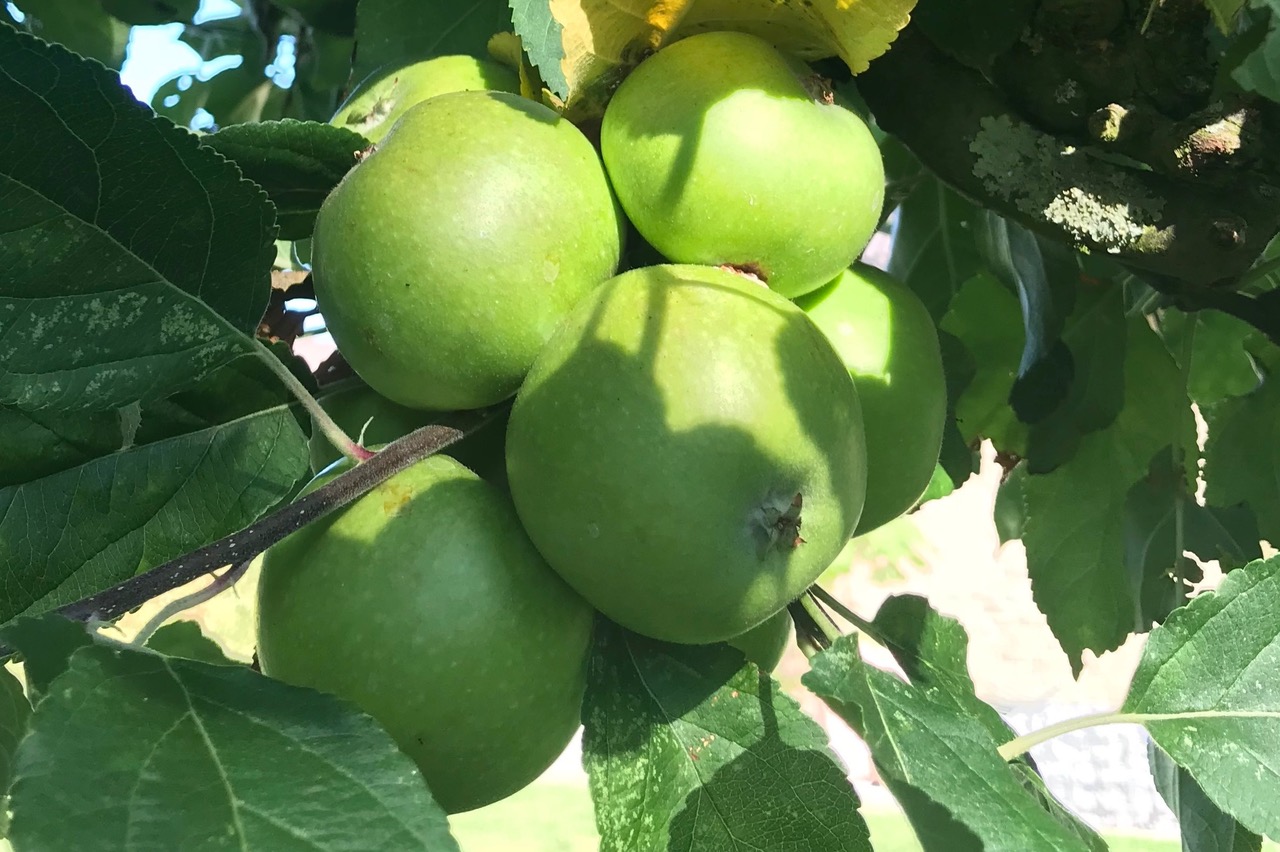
[(393, 33), (67, 536), (689, 750), (298, 163), (1074, 531), (135, 260), (131, 750), (185, 639), (1204, 827), (935, 248)]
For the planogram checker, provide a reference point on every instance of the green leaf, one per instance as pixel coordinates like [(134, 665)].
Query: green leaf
[(688, 751), (1074, 531), (1095, 335), (75, 533), (46, 644), (985, 317), (14, 712), (933, 651), (1206, 691), (394, 33), (239, 389), (135, 260), (151, 12), (1259, 70), (1204, 827), (80, 25), (185, 639), (935, 250), (1161, 520), (927, 736), (298, 163), (40, 443), (131, 750), (957, 459), (1221, 362), (973, 31), (1242, 457)]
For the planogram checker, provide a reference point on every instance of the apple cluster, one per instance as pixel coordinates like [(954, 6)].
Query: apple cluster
[(710, 396)]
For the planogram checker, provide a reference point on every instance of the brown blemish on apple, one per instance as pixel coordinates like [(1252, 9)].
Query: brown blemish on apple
[(751, 270)]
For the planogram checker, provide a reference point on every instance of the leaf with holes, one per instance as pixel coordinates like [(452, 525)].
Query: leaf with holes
[(131, 750), (1206, 691), (687, 749), (135, 260)]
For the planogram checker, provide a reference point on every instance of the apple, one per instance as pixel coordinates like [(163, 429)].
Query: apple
[(426, 605), (378, 101), (687, 452), (443, 262), (765, 644), (887, 339), (721, 153)]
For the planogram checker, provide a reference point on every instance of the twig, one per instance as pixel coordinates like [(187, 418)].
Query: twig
[(243, 545)]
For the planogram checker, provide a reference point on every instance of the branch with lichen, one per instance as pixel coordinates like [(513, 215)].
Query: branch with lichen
[(967, 132)]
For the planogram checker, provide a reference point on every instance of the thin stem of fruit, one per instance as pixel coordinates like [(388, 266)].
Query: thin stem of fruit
[(1021, 745), (809, 638), (217, 586), (859, 623), (830, 632), (247, 543), (331, 430)]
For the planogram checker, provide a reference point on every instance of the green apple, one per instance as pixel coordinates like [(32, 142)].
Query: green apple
[(687, 452), (379, 101), (721, 153), (426, 605), (444, 261), (887, 339), (359, 409), (765, 644)]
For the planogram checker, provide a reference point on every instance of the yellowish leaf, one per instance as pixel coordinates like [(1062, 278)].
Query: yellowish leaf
[(599, 40)]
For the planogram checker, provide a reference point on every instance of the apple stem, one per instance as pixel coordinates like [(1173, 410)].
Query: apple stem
[(821, 620), (859, 623), (220, 584), (331, 430)]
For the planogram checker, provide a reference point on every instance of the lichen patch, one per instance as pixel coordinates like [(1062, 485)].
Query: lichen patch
[(1095, 204)]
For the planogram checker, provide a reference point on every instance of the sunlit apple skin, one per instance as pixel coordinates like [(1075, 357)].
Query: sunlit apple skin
[(887, 339), (720, 153), (379, 101), (444, 261), (677, 420), (425, 604)]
